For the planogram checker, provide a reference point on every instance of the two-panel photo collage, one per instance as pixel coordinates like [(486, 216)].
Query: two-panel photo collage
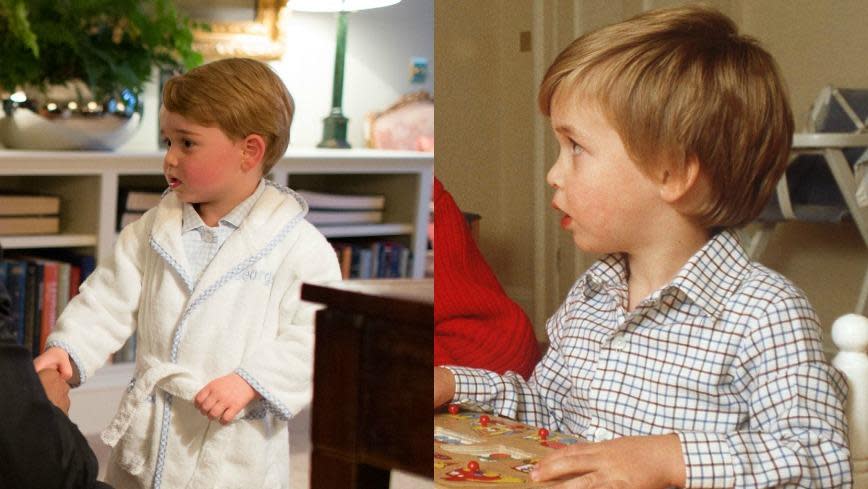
[(230, 257)]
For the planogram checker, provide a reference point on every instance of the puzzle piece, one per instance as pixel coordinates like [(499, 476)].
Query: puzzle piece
[(490, 452), (451, 437), (478, 475)]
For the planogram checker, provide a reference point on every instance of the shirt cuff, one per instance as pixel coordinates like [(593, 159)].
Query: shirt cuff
[(707, 460), (473, 386)]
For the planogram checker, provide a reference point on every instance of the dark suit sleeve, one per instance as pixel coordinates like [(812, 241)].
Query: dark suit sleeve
[(39, 446)]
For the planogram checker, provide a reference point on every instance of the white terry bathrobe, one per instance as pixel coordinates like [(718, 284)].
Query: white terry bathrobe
[(244, 315)]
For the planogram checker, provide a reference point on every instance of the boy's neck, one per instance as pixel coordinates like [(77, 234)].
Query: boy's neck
[(655, 264), (212, 212)]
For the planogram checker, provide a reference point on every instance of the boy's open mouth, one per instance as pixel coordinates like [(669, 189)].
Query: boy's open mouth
[(566, 220), (174, 182)]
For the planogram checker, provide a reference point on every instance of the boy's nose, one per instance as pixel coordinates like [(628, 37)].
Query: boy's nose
[(170, 159), (552, 177)]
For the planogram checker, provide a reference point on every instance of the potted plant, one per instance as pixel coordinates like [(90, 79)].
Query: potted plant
[(66, 62)]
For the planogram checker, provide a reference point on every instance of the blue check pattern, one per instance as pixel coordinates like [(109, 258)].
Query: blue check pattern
[(728, 355), (202, 242)]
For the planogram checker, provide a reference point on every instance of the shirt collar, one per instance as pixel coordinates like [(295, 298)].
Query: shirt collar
[(191, 220), (708, 278), (714, 272)]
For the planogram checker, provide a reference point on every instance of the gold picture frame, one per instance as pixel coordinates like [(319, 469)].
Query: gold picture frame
[(259, 39)]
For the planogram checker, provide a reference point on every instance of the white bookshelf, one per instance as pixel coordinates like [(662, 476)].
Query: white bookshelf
[(49, 241), (88, 184)]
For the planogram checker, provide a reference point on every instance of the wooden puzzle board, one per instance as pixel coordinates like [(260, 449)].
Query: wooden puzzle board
[(505, 451)]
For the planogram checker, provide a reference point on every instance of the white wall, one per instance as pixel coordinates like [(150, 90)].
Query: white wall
[(380, 44)]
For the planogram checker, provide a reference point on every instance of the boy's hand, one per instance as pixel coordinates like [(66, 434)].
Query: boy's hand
[(641, 462), (56, 389), (55, 359), (444, 386), (224, 397)]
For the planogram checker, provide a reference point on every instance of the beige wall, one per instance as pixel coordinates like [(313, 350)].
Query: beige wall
[(484, 137), (815, 44), (486, 115)]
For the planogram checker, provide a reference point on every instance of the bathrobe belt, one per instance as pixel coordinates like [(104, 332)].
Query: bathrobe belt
[(172, 379), (169, 377)]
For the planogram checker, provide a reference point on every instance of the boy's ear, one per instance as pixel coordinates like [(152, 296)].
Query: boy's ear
[(252, 151), (678, 182)]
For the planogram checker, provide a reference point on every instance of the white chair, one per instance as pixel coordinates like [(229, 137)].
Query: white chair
[(827, 179), (850, 335)]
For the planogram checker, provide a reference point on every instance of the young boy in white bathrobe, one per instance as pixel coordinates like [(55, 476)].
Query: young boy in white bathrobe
[(209, 282)]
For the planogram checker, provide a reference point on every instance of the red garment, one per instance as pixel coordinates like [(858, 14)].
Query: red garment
[(475, 323)]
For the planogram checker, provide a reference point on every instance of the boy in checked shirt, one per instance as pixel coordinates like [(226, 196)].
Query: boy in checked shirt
[(685, 362)]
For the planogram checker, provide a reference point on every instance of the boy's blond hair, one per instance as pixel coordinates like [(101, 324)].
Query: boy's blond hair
[(679, 83), (241, 96)]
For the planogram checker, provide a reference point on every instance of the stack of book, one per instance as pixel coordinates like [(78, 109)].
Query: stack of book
[(132, 204), (40, 288), (29, 214), (340, 209)]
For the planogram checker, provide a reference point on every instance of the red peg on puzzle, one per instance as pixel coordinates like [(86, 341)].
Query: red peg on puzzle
[(543, 434), (484, 420), (454, 409), (473, 466)]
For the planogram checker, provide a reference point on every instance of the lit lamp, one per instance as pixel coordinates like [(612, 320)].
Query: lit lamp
[(334, 133)]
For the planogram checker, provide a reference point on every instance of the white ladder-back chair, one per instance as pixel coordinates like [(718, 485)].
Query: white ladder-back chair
[(850, 335), (827, 179)]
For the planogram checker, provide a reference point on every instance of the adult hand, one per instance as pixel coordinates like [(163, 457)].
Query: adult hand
[(444, 386), (56, 388), (640, 462)]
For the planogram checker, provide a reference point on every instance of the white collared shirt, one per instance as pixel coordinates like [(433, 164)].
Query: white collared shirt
[(202, 242)]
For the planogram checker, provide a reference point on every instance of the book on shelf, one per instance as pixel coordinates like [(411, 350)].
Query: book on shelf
[(33, 307), (132, 204), (320, 200), (82, 264), (16, 285), (138, 200), (128, 218), (48, 312), (373, 259), (8, 328), (29, 214), (344, 252), (323, 217), (29, 205), (40, 288), (19, 225)]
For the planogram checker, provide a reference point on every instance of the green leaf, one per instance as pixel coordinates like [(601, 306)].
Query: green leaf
[(15, 13), (110, 44)]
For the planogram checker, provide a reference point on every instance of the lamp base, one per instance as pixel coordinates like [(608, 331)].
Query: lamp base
[(334, 132)]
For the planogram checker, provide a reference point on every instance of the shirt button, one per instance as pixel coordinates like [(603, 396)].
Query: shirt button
[(210, 237), (618, 342)]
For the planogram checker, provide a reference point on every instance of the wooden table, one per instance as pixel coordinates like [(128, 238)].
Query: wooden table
[(373, 381)]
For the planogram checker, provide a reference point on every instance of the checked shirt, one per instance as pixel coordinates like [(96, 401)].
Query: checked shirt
[(728, 355)]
